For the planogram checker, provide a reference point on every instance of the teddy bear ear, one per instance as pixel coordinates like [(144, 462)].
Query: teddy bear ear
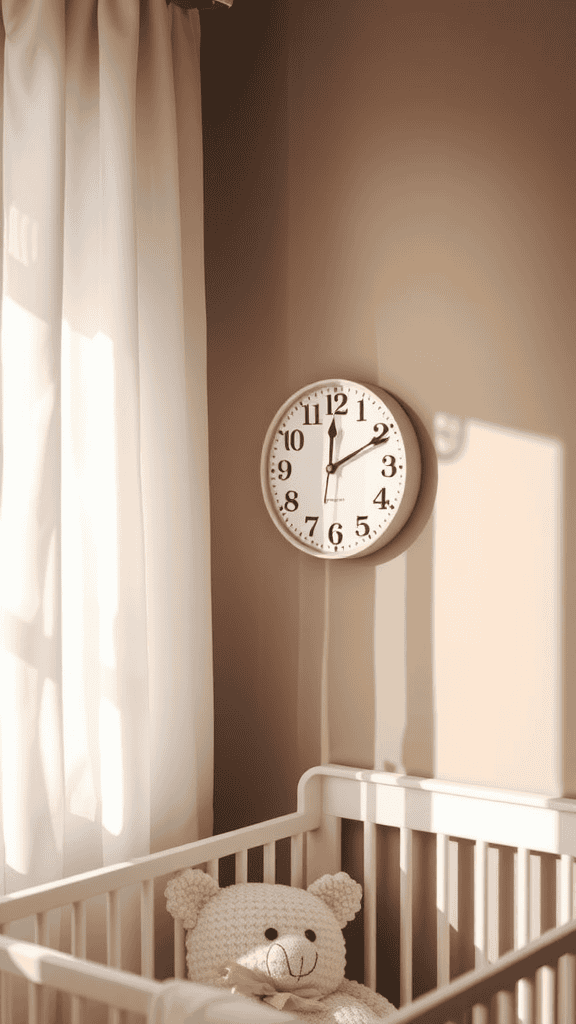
[(341, 893), (188, 893)]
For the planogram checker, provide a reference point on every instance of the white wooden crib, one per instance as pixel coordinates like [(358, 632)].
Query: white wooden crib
[(468, 893)]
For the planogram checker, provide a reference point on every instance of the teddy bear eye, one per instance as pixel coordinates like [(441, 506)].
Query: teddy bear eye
[(271, 933), (310, 935)]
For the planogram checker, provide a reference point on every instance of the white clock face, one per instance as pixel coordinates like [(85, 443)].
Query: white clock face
[(340, 469)]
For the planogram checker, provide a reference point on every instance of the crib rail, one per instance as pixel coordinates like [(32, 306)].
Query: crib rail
[(79, 888), (119, 990), (495, 989), (78, 893)]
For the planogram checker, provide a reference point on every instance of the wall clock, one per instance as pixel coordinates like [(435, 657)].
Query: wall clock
[(340, 469)]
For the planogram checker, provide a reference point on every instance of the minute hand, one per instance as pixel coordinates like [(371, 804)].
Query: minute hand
[(374, 441)]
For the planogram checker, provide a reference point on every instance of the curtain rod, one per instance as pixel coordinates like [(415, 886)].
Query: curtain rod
[(201, 5)]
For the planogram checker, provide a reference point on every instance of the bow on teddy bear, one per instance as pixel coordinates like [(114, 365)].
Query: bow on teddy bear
[(277, 943)]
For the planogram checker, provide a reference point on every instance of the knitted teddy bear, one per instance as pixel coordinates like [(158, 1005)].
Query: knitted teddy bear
[(276, 943)]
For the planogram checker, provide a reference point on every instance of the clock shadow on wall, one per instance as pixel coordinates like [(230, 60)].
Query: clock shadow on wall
[(392, 591), (411, 747)]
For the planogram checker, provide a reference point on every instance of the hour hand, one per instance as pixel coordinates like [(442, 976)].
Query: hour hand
[(332, 431)]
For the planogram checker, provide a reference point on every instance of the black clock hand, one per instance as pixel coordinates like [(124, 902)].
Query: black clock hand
[(332, 431), (374, 441)]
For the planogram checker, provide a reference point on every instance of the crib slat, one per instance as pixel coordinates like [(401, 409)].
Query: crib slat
[(547, 995), (505, 1008), (297, 860), (179, 950), (504, 923), (442, 910), (113, 941), (241, 866), (78, 948), (526, 1000), (523, 898), (547, 896), (525, 987), (41, 929), (33, 991), (480, 1014), (406, 893), (5, 997), (566, 988), (5, 988), (113, 929), (78, 929), (212, 868), (269, 873), (147, 928), (41, 936), (370, 904), (566, 888), (480, 903)]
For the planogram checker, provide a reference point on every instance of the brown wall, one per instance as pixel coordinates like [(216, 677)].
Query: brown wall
[(390, 197)]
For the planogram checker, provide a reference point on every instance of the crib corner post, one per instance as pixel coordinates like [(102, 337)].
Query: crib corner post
[(323, 849), (323, 853)]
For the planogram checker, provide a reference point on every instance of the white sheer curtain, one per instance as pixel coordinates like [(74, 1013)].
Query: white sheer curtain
[(105, 634)]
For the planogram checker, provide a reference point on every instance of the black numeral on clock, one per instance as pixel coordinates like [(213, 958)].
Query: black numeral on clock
[(381, 499), (380, 431), (314, 521), (284, 469), (335, 534), (291, 501), (340, 403), (389, 465), (362, 527), (311, 422), (293, 440)]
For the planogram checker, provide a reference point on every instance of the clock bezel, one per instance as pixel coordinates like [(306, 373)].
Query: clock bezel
[(413, 469)]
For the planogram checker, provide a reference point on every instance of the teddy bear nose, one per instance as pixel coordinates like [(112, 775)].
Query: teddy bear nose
[(291, 957)]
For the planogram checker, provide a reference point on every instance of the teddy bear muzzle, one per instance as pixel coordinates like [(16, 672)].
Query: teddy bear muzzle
[(291, 959)]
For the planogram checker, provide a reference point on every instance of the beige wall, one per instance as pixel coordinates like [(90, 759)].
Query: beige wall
[(391, 198)]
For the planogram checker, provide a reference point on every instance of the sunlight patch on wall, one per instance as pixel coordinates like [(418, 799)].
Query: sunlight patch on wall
[(497, 614)]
